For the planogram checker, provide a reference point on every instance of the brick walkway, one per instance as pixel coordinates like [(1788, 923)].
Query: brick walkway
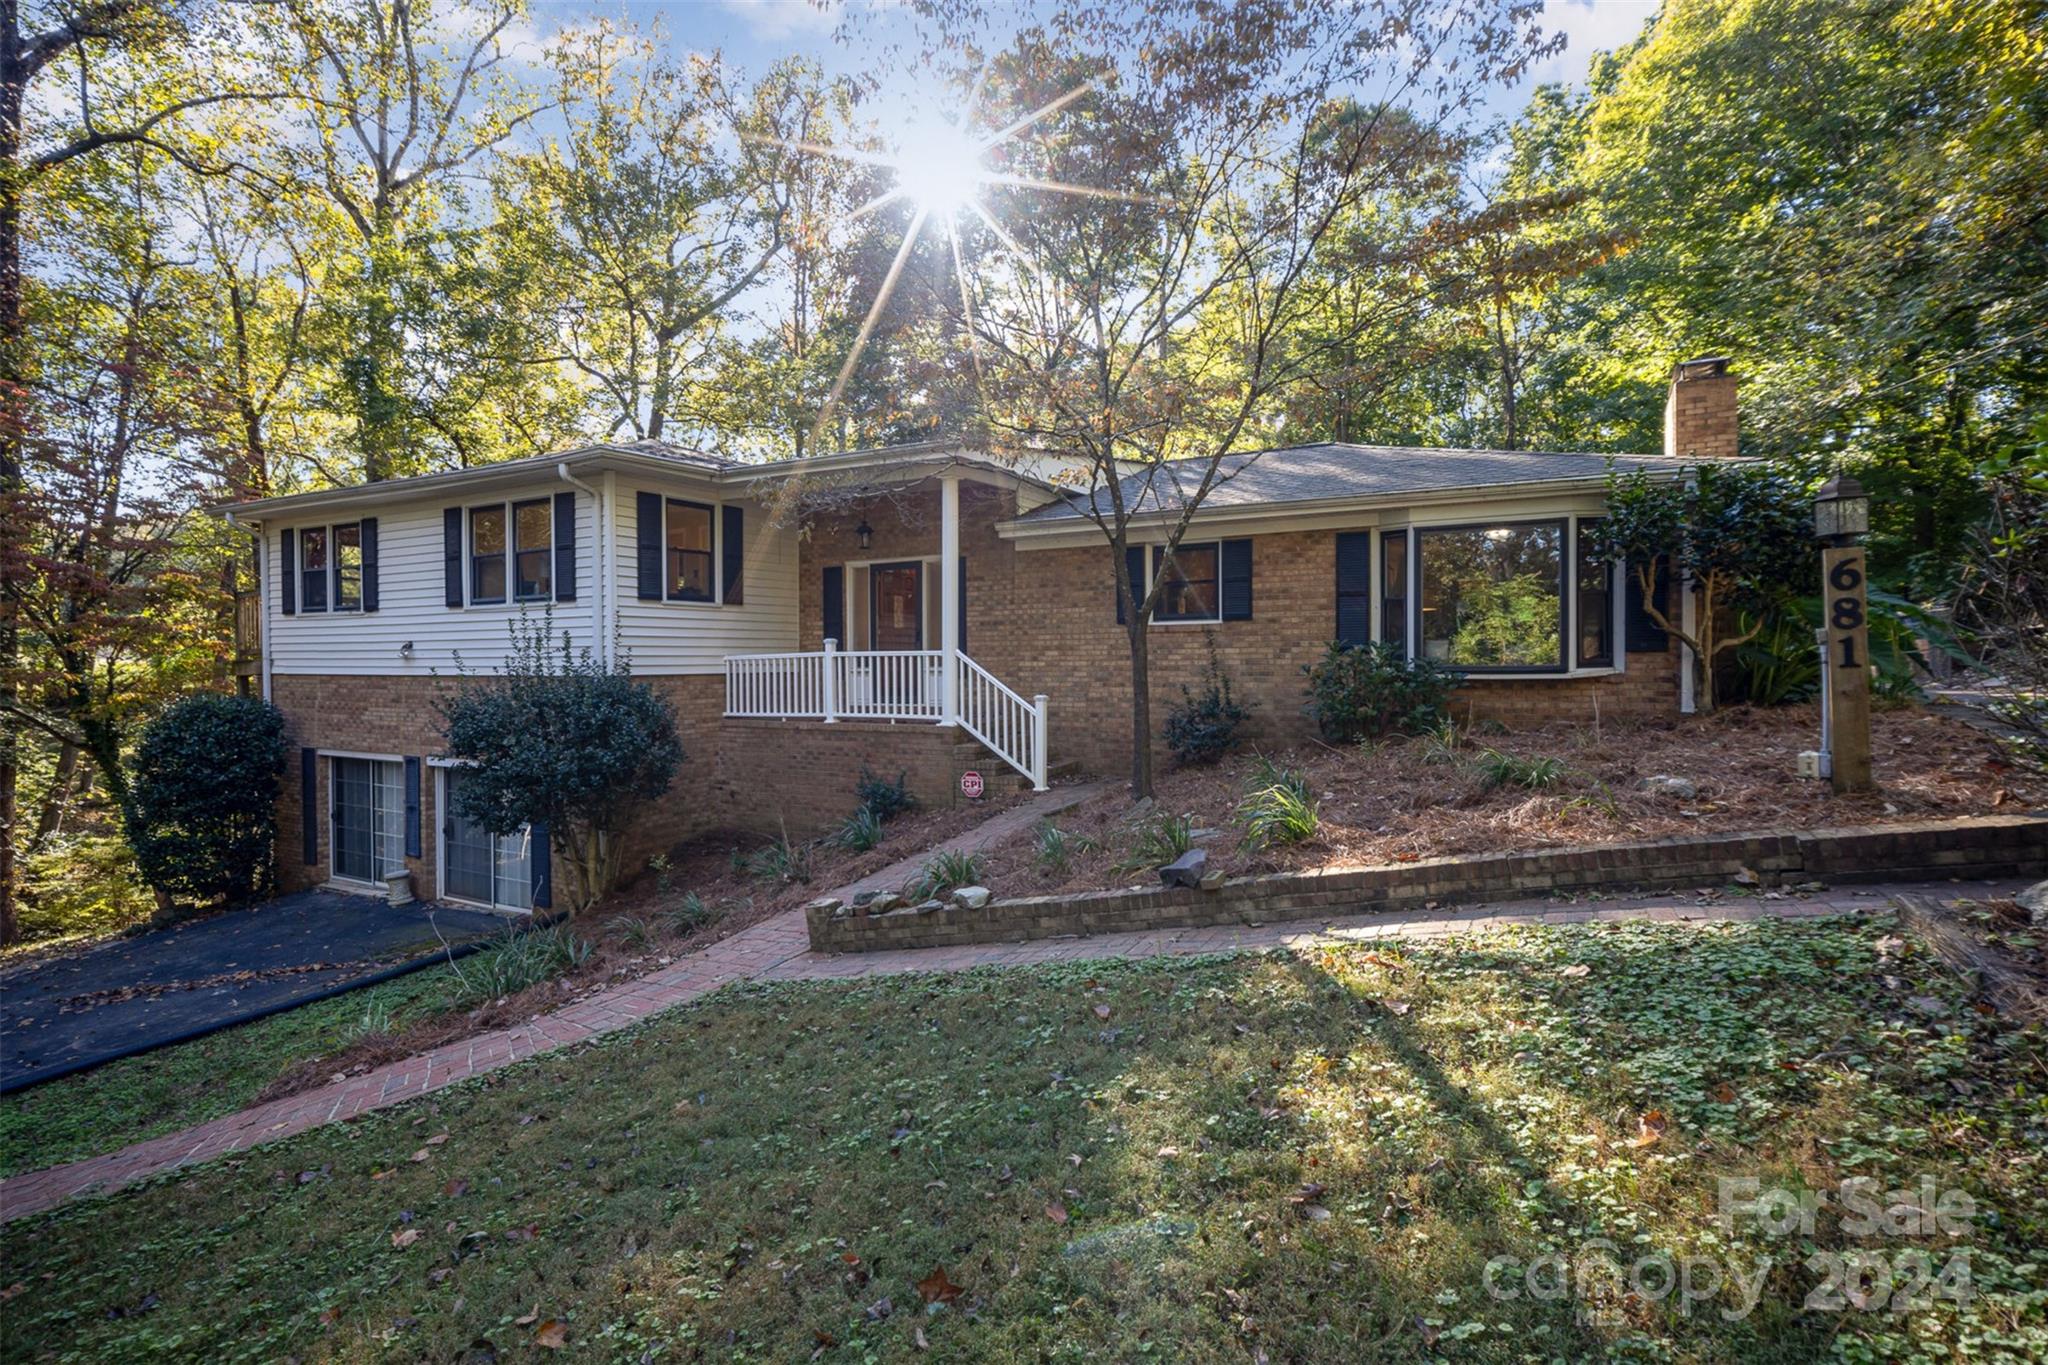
[(777, 950)]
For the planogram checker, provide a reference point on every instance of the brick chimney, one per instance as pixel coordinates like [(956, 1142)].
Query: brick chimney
[(1699, 413)]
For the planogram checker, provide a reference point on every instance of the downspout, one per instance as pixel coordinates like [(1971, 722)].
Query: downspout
[(602, 563), (262, 548)]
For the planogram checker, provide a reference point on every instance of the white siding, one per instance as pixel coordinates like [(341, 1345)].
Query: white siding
[(695, 637), (411, 601)]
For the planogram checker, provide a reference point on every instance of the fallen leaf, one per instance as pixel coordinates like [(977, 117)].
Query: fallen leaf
[(421, 1155), (525, 1234), (917, 1335), (437, 1139), (455, 1189), (938, 1288), (1649, 1128), (1102, 1011), (1576, 970), (529, 1320), (1057, 1212), (405, 1237), (1723, 1093), (551, 1335)]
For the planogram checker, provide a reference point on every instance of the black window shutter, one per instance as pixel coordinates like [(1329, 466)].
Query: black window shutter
[(565, 547), (963, 604), (1236, 587), (309, 805), (1642, 634), (1354, 587), (451, 555), (288, 572), (832, 598), (543, 868), (1134, 568), (647, 536), (412, 808), (732, 550), (369, 544)]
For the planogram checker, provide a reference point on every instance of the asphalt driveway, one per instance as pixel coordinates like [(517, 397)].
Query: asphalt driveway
[(140, 992)]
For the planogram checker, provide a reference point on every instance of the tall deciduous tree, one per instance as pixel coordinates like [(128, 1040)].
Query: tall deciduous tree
[(1210, 180)]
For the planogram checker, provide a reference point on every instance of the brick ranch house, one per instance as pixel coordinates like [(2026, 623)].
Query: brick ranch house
[(921, 608)]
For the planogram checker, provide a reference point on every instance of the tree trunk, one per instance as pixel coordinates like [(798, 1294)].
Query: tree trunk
[(1141, 709), (13, 430), (59, 797)]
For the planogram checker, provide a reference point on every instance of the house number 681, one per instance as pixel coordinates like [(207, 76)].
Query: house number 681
[(1845, 613)]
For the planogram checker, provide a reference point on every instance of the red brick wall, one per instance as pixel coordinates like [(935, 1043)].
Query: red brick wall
[(1045, 621)]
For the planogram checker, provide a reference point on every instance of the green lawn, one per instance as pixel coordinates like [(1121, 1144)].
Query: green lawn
[(1270, 1158)]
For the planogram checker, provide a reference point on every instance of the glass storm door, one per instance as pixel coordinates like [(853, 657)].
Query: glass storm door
[(490, 869), (898, 606), (368, 818)]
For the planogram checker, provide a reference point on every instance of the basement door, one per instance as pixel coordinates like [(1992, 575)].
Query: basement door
[(366, 813), (476, 865)]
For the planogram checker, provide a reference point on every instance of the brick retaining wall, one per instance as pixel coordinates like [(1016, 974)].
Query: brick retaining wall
[(1980, 846)]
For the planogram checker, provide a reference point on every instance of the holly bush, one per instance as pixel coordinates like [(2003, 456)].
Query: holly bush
[(202, 807)]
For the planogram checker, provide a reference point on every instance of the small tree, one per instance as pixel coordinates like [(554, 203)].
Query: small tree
[(1735, 536), (202, 808), (565, 744)]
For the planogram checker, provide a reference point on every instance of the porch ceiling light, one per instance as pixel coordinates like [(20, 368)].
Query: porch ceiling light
[(865, 532), (1841, 511)]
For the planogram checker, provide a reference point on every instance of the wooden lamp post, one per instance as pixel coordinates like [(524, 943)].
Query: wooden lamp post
[(1841, 516)]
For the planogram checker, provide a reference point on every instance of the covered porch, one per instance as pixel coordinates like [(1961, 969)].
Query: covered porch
[(887, 608)]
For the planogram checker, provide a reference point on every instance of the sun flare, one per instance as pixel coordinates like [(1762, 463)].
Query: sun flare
[(938, 167)]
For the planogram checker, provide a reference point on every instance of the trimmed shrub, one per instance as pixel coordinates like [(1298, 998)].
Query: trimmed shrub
[(562, 742), (1204, 727), (202, 809), (885, 798), (1363, 691)]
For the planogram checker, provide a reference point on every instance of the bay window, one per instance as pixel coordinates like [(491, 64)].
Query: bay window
[(1492, 598)]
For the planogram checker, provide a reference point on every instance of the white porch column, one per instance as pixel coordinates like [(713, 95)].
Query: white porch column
[(949, 598)]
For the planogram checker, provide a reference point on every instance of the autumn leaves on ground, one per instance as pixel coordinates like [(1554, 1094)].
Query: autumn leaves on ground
[(1279, 1158)]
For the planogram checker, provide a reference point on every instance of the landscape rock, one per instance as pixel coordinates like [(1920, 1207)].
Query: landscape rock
[(826, 905), (1213, 881), (1187, 869), (971, 897), (2034, 900), (928, 907), (1678, 788)]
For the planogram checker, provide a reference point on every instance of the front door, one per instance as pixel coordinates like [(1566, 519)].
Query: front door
[(897, 605), (367, 818)]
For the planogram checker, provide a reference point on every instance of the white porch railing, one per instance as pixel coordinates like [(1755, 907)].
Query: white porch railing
[(890, 684)]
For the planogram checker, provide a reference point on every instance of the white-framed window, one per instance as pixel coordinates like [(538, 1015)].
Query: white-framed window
[(1514, 597), (689, 545), (330, 567), (1193, 581), (511, 550)]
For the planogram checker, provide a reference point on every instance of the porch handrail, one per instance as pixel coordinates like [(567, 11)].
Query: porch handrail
[(1012, 728), (887, 684)]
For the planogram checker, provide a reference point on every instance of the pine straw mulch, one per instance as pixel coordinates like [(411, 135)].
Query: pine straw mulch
[(640, 930), (1407, 799)]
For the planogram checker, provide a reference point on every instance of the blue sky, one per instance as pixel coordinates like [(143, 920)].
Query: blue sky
[(753, 33)]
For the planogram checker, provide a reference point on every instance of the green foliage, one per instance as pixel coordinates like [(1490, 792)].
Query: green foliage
[(560, 740), (1267, 772), (780, 861), (1359, 692), (202, 814), (1278, 811), (690, 914), (860, 831), (1054, 849), (1156, 841), (943, 873), (1498, 769), (524, 958), (886, 799), (81, 885), (1779, 663), (1205, 725)]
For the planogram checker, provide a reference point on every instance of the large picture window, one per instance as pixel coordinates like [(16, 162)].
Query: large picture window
[(486, 555), (1492, 597), (533, 554), (689, 552), (1190, 574)]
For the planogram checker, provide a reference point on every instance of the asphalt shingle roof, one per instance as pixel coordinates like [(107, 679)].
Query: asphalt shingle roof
[(1334, 470)]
